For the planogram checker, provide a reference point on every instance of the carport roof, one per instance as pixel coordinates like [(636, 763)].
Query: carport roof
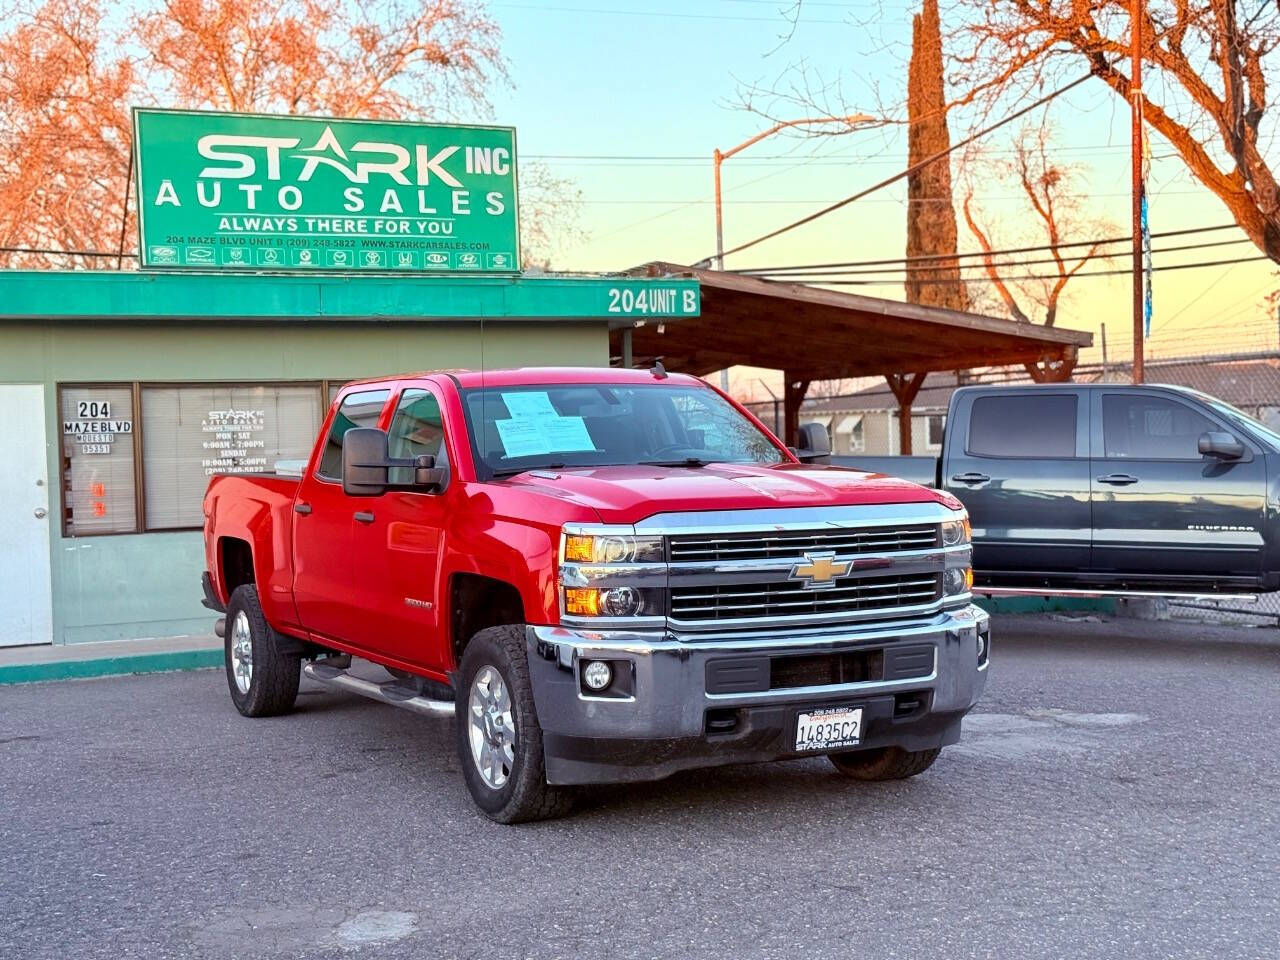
[(814, 333)]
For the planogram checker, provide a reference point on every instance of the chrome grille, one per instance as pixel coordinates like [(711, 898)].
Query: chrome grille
[(794, 544), (790, 598)]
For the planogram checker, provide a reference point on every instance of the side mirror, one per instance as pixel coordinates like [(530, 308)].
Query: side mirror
[(426, 474), (815, 444), (1220, 446), (364, 462)]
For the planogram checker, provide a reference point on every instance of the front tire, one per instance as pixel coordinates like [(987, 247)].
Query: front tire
[(262, 678), (499, 739), (884, 763)]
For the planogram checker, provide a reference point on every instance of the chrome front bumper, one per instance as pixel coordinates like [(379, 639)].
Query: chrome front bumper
[(664, 723)]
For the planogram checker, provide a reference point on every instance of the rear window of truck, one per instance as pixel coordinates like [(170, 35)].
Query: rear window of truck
[(1023, 425)]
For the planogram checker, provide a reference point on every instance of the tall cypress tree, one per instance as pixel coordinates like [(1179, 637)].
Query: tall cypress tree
[(931, 215)]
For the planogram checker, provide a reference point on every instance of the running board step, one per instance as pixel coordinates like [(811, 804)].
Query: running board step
[(391, 693)]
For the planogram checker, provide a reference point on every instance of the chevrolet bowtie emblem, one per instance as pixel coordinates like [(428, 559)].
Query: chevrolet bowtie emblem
[(820, 570)]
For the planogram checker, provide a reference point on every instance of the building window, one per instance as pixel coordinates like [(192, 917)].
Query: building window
[(99, 494), (850, 435), (191, 432), (936, 423)]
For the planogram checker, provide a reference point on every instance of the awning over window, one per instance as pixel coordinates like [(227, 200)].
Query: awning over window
[(849, 423)]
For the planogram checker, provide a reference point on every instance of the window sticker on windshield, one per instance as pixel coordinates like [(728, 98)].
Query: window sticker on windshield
[(529, 404), (567, 434), (522, 438), (535, 436)]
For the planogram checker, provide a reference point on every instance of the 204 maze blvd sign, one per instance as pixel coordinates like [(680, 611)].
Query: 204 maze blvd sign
[(243, 191)]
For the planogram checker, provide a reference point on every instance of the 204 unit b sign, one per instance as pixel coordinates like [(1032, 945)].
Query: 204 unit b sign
[(243, 191)]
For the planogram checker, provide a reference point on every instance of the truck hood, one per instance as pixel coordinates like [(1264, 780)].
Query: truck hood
[(628, 494)]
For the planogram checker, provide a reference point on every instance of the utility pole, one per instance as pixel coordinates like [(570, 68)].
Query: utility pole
[(1104, 353), (1135, 105)]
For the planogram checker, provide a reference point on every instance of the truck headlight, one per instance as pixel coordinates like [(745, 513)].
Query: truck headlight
[(957, 580), (613, 602), (612, 548), (956, 532)]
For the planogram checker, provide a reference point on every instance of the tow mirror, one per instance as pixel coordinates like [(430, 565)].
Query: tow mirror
[(366, 466), (1220, 446), (426, 474), (815, 444), (364, 462)]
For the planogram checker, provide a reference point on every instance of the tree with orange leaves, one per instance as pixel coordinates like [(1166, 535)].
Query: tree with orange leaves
[(68, 78)]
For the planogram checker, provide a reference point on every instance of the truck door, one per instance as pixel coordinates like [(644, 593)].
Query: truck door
[(1159, 505), (323, 525), (1019, 461), (396, 544)]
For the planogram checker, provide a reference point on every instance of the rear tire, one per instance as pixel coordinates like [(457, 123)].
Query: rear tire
[(884, 763), (262, 678), (499, 739)]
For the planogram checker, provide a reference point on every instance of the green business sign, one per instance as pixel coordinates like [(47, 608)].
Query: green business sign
[(242, 191)]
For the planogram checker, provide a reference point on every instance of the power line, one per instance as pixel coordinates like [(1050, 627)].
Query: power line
[(917, 258), (1034, 276), (907, 172), (813, 276), (661, 13)]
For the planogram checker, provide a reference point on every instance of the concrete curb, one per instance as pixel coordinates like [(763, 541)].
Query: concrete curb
[(110, 666)]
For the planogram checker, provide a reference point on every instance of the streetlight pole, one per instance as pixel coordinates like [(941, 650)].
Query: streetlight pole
[(720, 156)]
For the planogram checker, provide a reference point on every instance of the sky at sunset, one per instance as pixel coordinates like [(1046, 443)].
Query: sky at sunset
[(653, 87)]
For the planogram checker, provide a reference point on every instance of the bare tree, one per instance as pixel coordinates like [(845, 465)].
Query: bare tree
[(1030, 289), (1059, 219), (1206, 94)]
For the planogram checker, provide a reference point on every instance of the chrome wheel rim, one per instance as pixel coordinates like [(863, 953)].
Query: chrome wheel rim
[(241, 652), (492, 729)]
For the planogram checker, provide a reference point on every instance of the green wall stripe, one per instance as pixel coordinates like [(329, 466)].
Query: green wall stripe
[(48, 295), (110, 666)]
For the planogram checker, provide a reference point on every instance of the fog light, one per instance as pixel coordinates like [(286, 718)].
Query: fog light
[(597, 675), (956, 580), (982, 647)]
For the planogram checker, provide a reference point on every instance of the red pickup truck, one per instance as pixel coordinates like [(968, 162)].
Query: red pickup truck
[(605, 576)]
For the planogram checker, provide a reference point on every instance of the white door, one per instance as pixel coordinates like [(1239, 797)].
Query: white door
[(26, 602)]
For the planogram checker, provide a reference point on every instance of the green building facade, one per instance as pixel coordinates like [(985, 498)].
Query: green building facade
[(150, 382)]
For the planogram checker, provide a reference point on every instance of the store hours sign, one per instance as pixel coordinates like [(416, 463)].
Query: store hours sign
[(226, 191)]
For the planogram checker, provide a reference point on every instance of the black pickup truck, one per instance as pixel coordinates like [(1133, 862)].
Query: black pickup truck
[(1108, 487)]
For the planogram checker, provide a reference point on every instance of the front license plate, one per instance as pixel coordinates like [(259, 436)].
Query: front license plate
[(831, 728)]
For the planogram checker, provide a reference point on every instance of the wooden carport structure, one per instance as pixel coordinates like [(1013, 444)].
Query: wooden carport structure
[(814, 333)]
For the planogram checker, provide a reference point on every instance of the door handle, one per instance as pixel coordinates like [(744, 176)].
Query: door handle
[(302, 508), (364, 516), (1118, 479), (970, 478)]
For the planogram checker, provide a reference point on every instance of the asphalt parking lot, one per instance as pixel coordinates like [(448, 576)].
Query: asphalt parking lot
[(1115, 796)]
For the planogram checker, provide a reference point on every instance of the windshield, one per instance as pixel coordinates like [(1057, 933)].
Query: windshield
[(589, 425)]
